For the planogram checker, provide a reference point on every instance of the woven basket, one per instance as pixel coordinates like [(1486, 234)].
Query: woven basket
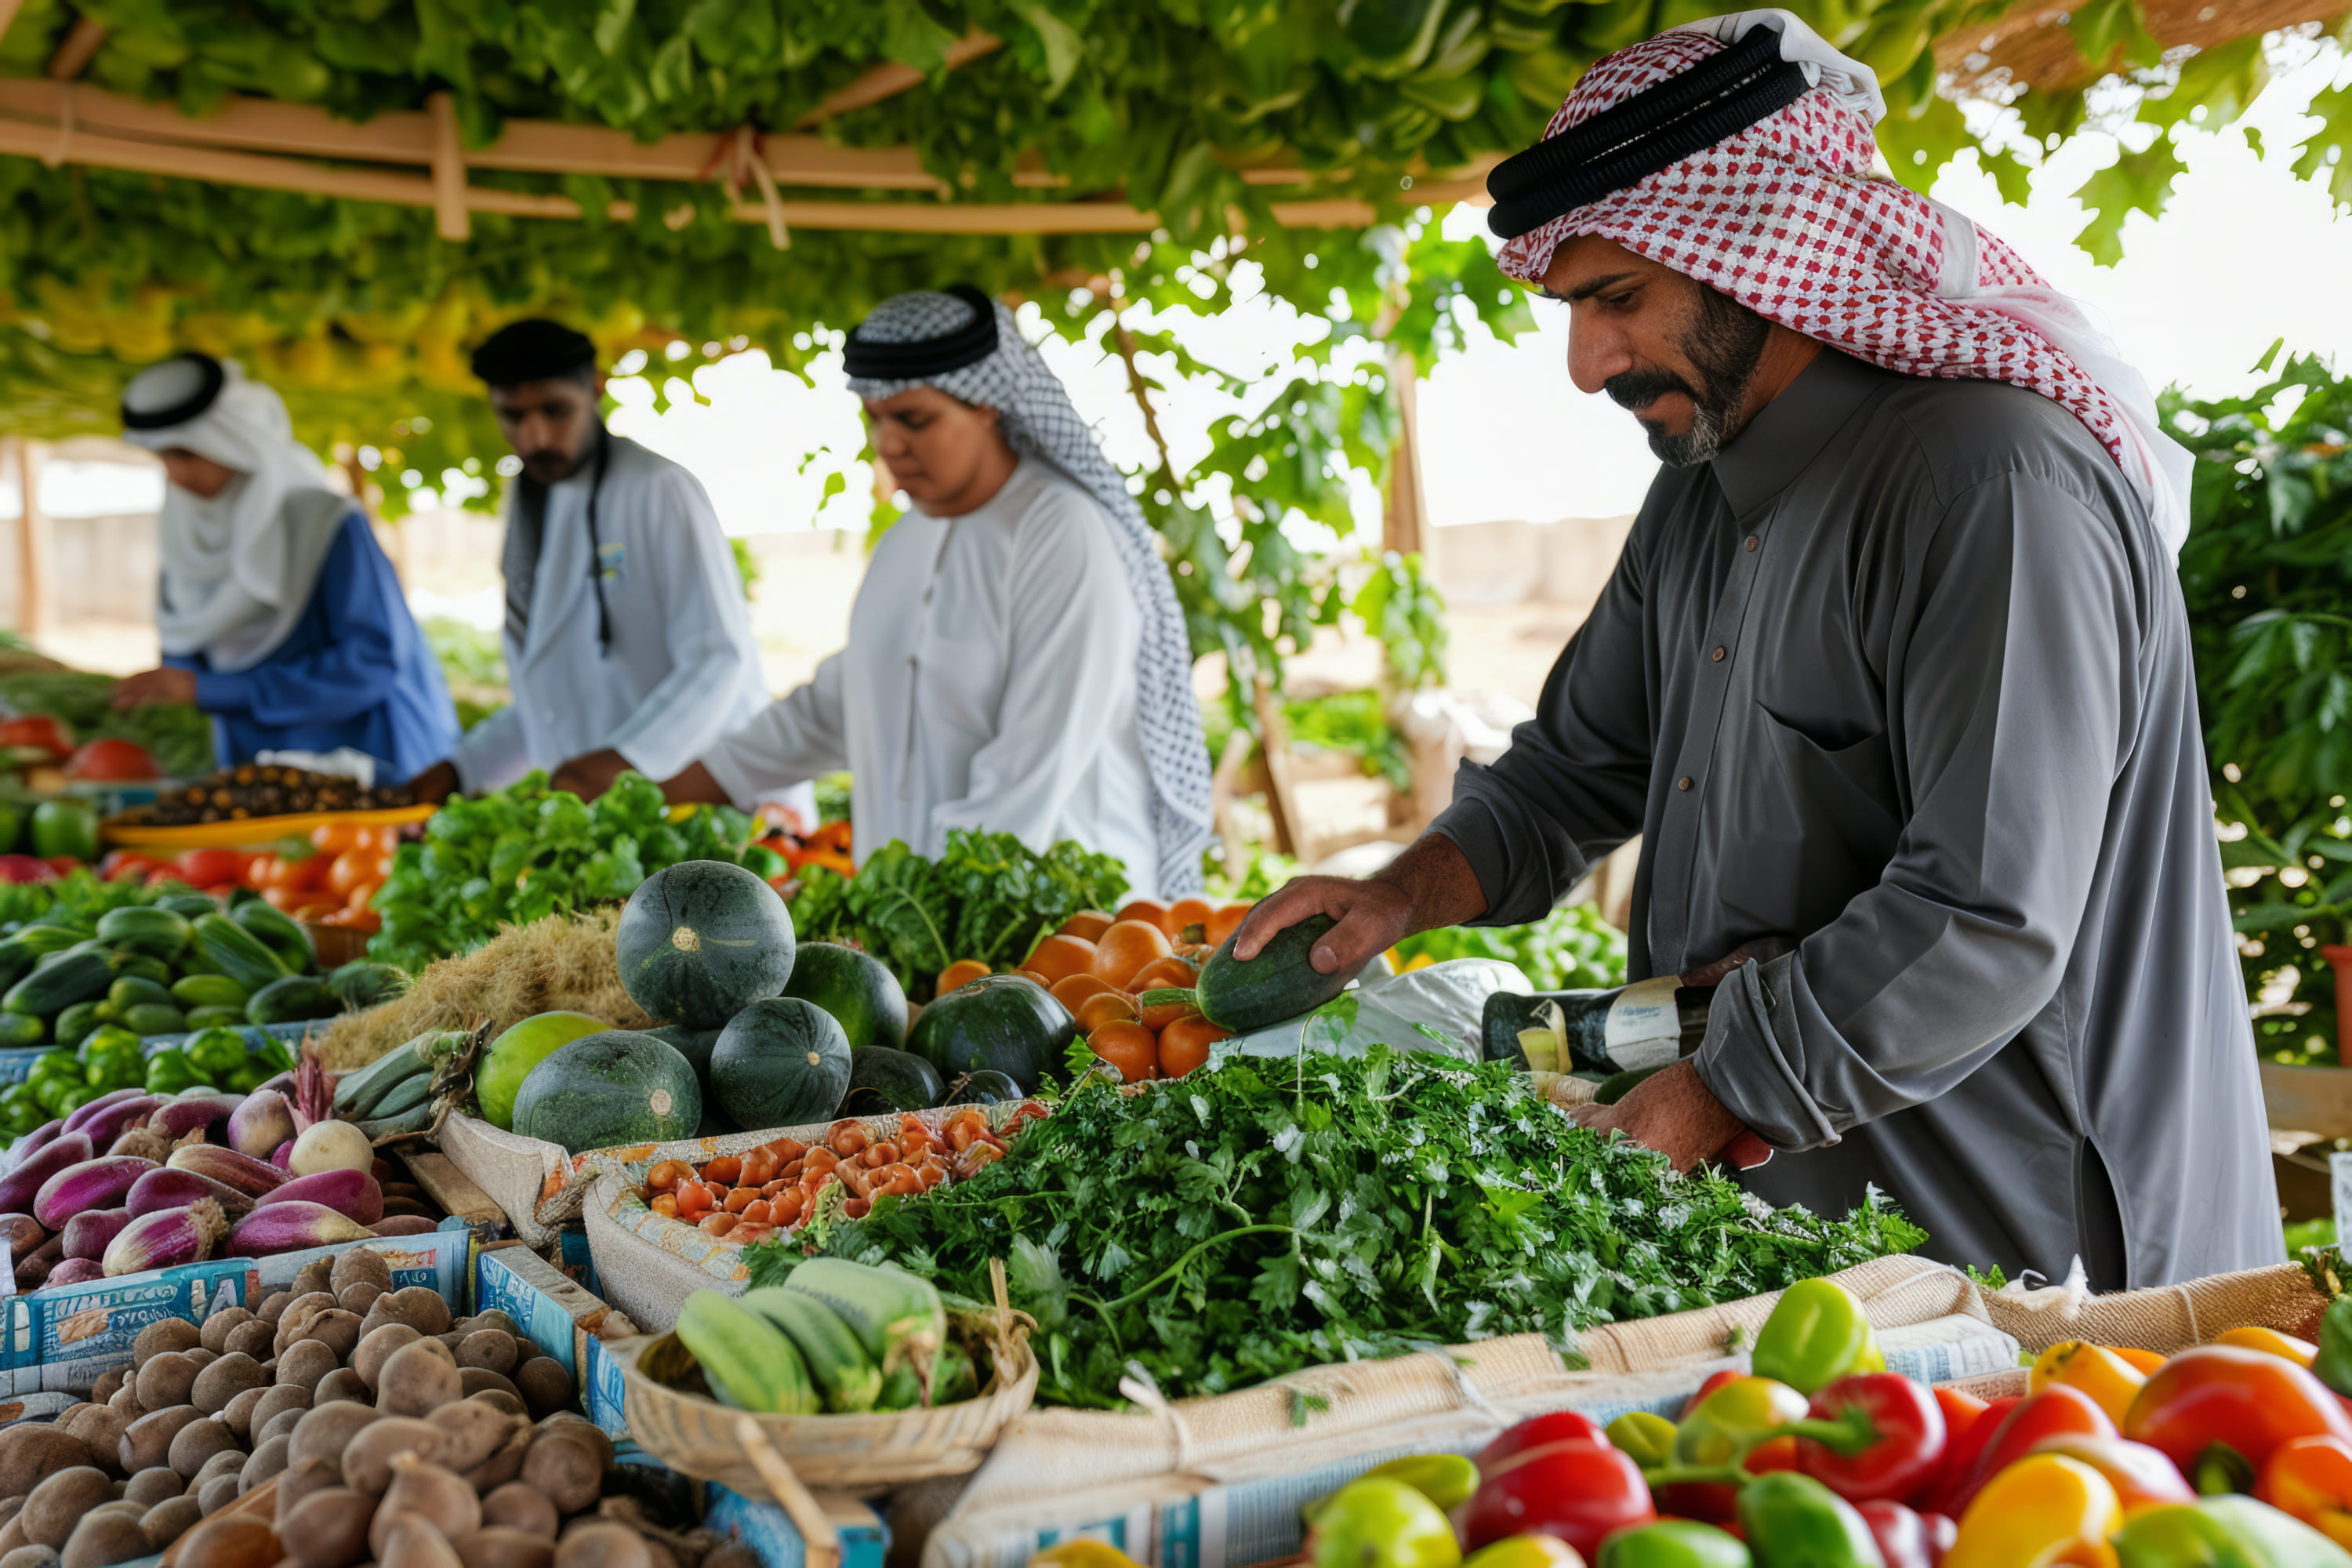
[(861, 1453)]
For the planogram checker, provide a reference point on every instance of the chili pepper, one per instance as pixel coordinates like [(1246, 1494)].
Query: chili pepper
[(2310, 1478), (2056, 1409), (2141, 1475), (1672, 1543), (2248, 1400), (2222, 1532), (1817, 1332), (1555, 1426), (1644, 1436), (2110, 1380), (1908, 1448), (2045, 1509), (1734, 1419), (1577, 1491), (1792, 1521), (2333, 1363), (2254, 1337), (1904, 1539)]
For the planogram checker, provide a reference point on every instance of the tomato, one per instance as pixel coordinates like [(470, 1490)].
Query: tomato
[(119, 864), (1184, 1045), (37, 730), (210, 868), (1579, 1491), (347, 870), (336, 837), (112, 761), (1559, 1427), (668, 1175), (308, 875), (1127, 1046), (362, 896), (263, 870)]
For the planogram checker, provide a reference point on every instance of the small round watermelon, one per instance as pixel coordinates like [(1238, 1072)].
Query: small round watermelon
[(610, 1090), (857, 988), (694, 1045), (702, 940), (782, 1062)]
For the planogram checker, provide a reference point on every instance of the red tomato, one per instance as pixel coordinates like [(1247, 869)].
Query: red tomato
[(37, 730), (1577, 1491), (1559, 1427), (210, 868), (2252, 1400), (1910, 1446), (308, 875), (121, 863), (335, 838), (112, 760)]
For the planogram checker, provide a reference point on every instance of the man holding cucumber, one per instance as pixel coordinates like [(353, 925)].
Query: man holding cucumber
[(1893, 680)]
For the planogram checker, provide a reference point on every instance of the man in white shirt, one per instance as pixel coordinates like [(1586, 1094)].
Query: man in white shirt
[(628, 644)]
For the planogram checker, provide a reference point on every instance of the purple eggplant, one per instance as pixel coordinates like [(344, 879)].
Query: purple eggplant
[(166, 1238), (118, 1118), (354, 1194), (170, 1189), (296, 1226), (255, 1178), (89, 1232), (98, 1183), (186, 1113), (32, 1142), (19, 1186), (264, 1121), (83, 1115), (75, 1271)]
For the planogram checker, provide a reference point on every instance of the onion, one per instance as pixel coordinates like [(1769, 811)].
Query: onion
[(331, 1146)]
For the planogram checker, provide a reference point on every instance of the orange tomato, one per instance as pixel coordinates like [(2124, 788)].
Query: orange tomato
[(350, 868), (262, 870), (335, 838), (1226, 921), (1086, 925), (1185, 1044), (1103, 1007), (1187, 913), (1151, 912), (281, 898), (1059, 957), (1127, 1046), (307, 875), (962, 971), (1031, 976), (312, 908), (1128, 948), (361, 895), (1160, 1015), (1071, 991), (694, 1200), (1164, 971)]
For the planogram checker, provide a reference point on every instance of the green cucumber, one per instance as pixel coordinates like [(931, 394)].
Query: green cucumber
[(841, 1368), (132, 991), (897, 1319), (216, 1017), (154, 1018), (747, 1360), (1279, 983), (237, 953), (209, 991), (280, 932), (64, 979), (146, 929)]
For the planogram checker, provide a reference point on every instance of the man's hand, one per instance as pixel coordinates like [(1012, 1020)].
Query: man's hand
[(1673, 1112), (435, 784), (694, 786), (164, 685), (1428, 885), (591, 776)]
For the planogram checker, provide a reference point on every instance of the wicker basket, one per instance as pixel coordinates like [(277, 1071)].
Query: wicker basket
[(861, 1453)]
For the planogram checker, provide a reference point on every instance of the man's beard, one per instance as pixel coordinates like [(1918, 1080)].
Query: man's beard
[(1723, 345)]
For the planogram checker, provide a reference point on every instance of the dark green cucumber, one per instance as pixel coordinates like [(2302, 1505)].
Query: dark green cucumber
[(1278, 983)]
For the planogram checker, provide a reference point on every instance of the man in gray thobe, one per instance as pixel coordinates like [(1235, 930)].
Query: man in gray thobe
[(1894, 680)]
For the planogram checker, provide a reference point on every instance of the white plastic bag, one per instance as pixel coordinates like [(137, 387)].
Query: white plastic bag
[(1433, 1008)]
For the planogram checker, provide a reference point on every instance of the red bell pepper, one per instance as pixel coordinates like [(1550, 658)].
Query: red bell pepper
[(2057, 1410), (1577, 1491), (1960, 1410), (1963, 1446), (2141, 1475), (1904, 1539), (1909, 1449), (2248, 1401), (1714, 1382), (1558, 1426)]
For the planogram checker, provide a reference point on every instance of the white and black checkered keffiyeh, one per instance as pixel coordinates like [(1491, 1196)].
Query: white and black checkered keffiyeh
[(1039, 420)]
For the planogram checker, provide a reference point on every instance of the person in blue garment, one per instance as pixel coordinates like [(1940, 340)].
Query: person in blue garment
[(279, 615)]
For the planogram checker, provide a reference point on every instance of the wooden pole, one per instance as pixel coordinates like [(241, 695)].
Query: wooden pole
[(9, 9), (450, 219), (1402, 518), (81, 46), (1290, 834), (889, 80), (34, 543)]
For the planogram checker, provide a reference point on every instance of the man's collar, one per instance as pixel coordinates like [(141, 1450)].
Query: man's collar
[(1789, 432)]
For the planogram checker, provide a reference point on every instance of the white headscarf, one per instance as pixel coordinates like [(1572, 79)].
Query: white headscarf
[(237, 568), (1035, 412)]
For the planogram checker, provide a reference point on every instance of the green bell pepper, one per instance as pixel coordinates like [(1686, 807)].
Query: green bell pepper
[(58, 1064), (1644, 1436), (19, 1112), (1673, 1543), (272, 1052), (2334, 1365), (1817, 1334), (216, 1053), (2222, 1532), (1791, 1520), (169, 1071), (110, 1060), (251, 1076), (71, 1097)]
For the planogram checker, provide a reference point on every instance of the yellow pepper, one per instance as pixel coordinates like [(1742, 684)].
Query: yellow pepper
[(2110, 1381), (2252, 1337), (2042, 1511)]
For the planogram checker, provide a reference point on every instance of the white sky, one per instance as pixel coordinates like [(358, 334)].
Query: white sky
[(2245, 254)]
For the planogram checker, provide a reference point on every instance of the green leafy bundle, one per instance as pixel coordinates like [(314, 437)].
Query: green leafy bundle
[(529, 851), (1570, 948), (176, 734), (76, 899), (987, 897), (1235, 1225)]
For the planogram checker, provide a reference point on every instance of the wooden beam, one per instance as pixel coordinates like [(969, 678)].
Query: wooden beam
[(9, 9), (73, 56), (889, 80), (2031, 46), (33, 543), (450, 219), (1401, 517)]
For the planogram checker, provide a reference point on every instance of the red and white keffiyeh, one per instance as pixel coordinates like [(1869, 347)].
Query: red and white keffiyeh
[(1787, 218)]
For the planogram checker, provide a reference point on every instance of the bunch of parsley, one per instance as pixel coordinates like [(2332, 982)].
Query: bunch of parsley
[(988, 896), (1235, 1225)]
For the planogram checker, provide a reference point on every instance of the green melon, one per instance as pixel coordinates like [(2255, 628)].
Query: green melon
[(882, 1080), (782, 1062), (608, 1090), (513, 1054), (859, 989), (700, 940), (694, 1045)]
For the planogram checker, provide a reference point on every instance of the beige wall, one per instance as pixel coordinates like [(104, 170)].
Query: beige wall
[(1511, 562)]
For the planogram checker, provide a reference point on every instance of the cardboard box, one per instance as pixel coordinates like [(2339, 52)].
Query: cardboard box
[(563, 1319)]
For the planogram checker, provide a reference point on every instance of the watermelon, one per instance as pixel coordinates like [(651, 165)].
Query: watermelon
[(882, 1080), (694, 1045), (608, 1090), (782, 1062), (998, 1023), (700, 940), (514, 1053), (859, 989)]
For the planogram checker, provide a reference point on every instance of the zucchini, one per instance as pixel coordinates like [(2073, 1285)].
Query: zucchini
[(237, 953), (747, 1360), (357, 1091), (280, 932), (16, 961), (841, 1369), (216, 1017), (132, 991), (145, 966), (188, 905), (897, 1319), (364, 983), (145, 929), (64, 979), (1278, 983), (45, 939), (293, 1000), (19, 1030), (209, 991), (154, 1018)]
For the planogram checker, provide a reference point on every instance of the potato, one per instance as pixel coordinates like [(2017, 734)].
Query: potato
[(199, 1440), (328, 1528), (217, 1494), (227, 1462), (273, 1307), (545, 1386), (497, 1546), (12, 1535), (107, 1382), (170, 1520), (304, 1362), (360, 1296), (277, 1398), (201, 1356), (342, 1383), (152, 1487), (214, 1335), (580, 1426), (238, 1411), (31, 1557), (337, 1330), (126, 1399), (256, 1337), (600, 1543), (101, 1433), (161, 1336), (327, 1428), (567, 1468), (100, 1539), (471, 1432), (298, 1315), (498, 1399), (517, 1505), (360, 1265), (376, 1347), (490, 1350), (281, 1424), (315, 1276), (147, 1441), (303, 1476), (58, 1504), (418, 1379), (473, 1380), (412, 1543), (367, 1458), (420, 1306), (428, 1491), (166, 1380), (224, 1380), (239, 1541), (493, 1319), (266, 1461)]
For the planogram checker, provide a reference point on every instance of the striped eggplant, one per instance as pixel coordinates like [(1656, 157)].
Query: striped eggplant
[(171, 1189), (83, 1115), (254, 1178), (167, 1237), (22, 1184), (75, 1271), (296, 1227), (116, 1119), (88, 1233), (354, 1194), (98, 1183), (199, 1112), (31, 1143)]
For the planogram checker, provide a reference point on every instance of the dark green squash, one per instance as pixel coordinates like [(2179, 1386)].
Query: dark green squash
[(998, 1023), (982, 1089), (859, 989), (1279, 983), (700, 940), (694, 1045), (883, 1080), (781, 1062)]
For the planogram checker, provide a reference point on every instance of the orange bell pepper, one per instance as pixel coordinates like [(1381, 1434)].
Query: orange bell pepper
[(2251, 1400), (2311, 1479), (2042, 1511), (2148, 1362), (2110, 1380)]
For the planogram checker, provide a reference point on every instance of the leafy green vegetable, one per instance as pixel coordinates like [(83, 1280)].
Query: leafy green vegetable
[(1235, 1225), (1570, 948), (529, 851), (987, 897), (76, 899)]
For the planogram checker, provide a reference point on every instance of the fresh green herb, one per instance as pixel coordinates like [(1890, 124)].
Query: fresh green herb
[(529, 851), (1232, 1227), (76, 899), (1570, 948), (987, 897)]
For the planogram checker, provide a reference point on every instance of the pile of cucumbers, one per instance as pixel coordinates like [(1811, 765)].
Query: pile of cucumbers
[(835, 1337)]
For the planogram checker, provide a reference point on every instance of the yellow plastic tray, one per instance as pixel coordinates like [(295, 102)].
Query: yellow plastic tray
[(255, 832)]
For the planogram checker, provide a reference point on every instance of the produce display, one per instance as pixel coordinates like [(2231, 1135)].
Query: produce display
[(44, 841), (1273, 1215), (328, 878), (175, 738), (253, 790), (1570, 948)]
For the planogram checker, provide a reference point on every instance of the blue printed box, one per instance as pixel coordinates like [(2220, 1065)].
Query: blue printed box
[(559, 1316)]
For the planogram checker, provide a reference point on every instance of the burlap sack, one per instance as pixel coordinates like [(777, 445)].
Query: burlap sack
[(2166, 1319)]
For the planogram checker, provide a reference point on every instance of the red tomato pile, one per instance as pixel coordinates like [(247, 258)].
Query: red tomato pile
[(330, 886)]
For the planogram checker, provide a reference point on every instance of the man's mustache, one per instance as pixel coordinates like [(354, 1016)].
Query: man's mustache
[(1636, 389)]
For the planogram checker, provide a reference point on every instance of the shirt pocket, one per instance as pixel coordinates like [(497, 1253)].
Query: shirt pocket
[(1809, 826)]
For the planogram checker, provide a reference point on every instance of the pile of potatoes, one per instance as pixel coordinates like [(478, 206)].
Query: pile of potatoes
[(394, 1435)]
